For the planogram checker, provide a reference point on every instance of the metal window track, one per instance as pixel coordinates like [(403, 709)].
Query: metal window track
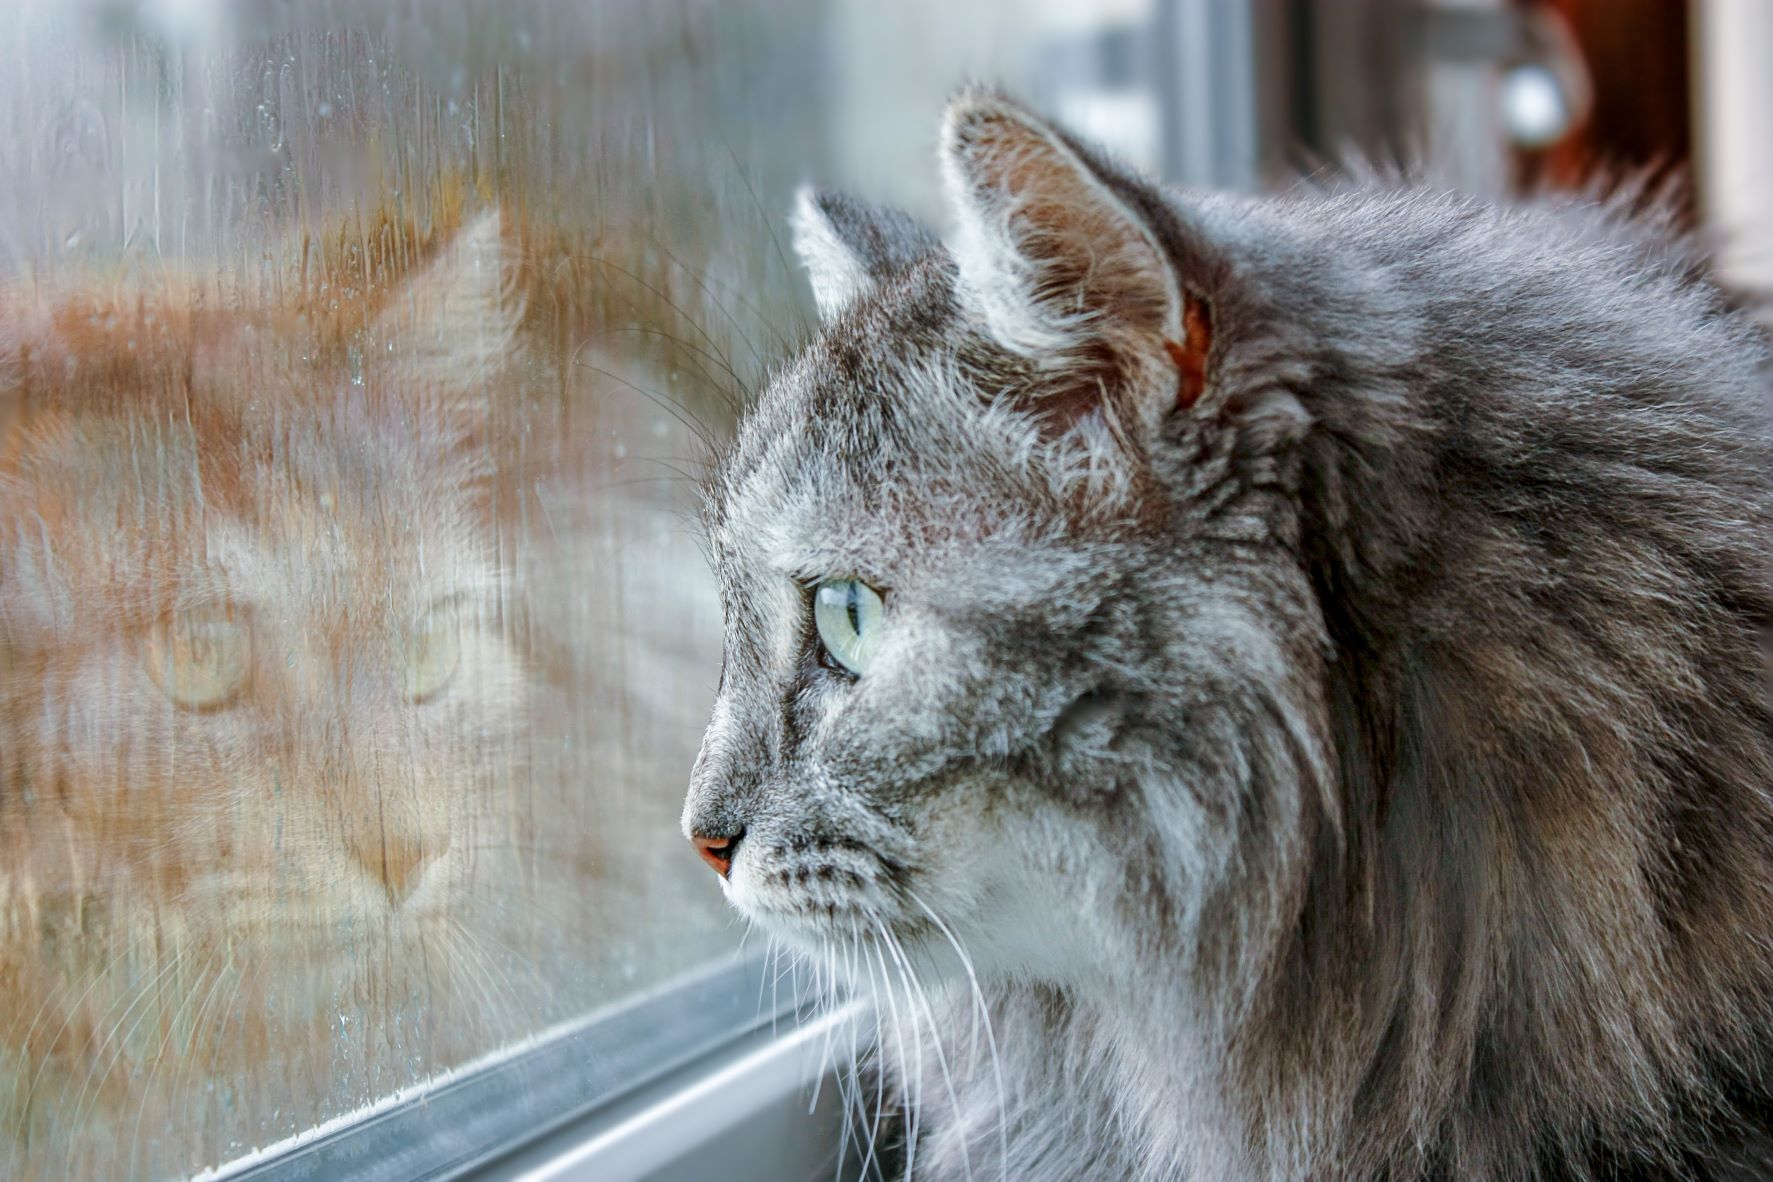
[(646, 1086)]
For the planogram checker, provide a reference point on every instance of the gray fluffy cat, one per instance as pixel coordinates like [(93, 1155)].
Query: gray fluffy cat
[(1294, 663)]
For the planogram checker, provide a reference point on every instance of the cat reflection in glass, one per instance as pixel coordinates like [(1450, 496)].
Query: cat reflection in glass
[(255, 693), (1260, 687)]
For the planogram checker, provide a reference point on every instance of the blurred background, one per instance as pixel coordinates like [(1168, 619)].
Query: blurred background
[(279, 165), (158, 112)]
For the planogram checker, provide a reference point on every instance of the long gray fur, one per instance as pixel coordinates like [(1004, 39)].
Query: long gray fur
[(1362, 773)]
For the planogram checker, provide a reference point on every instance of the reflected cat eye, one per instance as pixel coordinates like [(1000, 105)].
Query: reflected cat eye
[(847, 613), (433, 650), (200, 658)]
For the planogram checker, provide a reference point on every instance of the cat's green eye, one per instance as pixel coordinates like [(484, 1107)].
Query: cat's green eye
[(200, 658), (847, 613), (433, 650)]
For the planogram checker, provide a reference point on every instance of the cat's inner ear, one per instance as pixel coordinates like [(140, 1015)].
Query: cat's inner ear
[(1048, 252), (451, 326), (848, 247)]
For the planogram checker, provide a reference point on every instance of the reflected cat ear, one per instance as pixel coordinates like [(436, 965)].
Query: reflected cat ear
[(847, 246), (1050, 252), (454, 323)]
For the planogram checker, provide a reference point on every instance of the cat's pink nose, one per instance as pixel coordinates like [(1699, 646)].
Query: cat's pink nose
[(718, 851), (400, 863)]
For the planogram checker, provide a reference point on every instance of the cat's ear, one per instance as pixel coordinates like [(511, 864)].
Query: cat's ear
[(847, 246), (452, 325), (1054, 257)]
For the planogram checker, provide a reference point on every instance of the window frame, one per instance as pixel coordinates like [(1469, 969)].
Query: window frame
[(589, 1094)]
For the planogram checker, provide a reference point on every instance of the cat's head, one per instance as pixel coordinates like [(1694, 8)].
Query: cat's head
[(257, 692), (1014, 523)]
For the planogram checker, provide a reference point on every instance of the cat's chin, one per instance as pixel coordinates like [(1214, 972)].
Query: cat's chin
[(811, 929), (334, 903), (813, 925), (867, 954), (313, 950)]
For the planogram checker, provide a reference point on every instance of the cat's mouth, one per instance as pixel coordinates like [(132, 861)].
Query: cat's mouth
[(306, 942), (801, 890), (334, 908)]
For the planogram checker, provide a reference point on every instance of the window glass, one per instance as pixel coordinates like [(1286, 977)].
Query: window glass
[(358, 367), (354, 638)]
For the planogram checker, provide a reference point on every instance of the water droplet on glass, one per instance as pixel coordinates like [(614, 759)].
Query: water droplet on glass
[(271, 127)]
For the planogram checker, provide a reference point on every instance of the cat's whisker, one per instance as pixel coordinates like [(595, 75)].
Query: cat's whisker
[(911, 1100), (488, 939), (764, 975), (859, 1048), (874, 1010), (504, 905), (769, 223), (466, 967), (867, 1040), (69, 1014), (825, 1042), (695, 351), (172, 1026), (842, 1080), (920, 996), (186, 1078), (703, 434), (773, 974), (525, 909), (646, 482), (98, 1075), (510, 988), (682, 312), (479, 972), (56, 993), (670, 464), (223, 973), (984, 1015), (701, 279), (797, 990), (160, 1056), (744, 939)]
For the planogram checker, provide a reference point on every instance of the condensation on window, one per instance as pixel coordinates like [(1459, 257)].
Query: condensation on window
[(358, 367), (354, 636)]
